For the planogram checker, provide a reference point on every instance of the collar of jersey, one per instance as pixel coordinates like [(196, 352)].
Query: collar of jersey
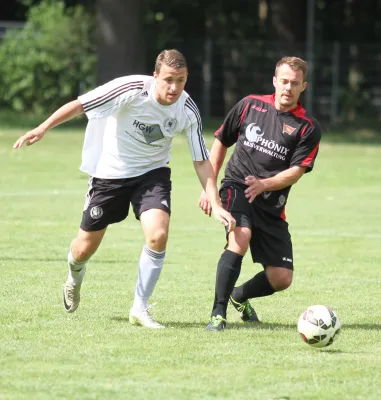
[(298, 106)]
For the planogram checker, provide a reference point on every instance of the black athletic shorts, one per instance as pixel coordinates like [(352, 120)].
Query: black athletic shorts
[(108, 200), (270, 242)]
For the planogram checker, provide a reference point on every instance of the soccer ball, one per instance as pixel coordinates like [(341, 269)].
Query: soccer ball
[(319, 326)]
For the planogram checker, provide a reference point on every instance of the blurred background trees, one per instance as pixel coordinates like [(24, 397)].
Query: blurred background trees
[(69, 46)]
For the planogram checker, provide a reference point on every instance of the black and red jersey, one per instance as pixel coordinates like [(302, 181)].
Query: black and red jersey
[(268, 141)]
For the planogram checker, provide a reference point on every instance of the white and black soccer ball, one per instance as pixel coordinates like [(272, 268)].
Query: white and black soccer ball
[(319, 326)]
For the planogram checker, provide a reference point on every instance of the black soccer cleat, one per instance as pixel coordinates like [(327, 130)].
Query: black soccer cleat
[(246, 311), (216, 324)]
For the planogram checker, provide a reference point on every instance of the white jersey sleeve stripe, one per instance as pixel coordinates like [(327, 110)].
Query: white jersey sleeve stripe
[(111, 95), (192, 106)]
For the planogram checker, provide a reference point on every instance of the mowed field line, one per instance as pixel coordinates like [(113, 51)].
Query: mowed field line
[(133, 226)]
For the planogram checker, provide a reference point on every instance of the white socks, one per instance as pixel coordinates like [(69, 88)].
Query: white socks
[(75, 269), (150, 266)]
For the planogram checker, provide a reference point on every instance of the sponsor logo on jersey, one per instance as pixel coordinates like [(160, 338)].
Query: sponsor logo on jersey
[(151, 133), (288, 129), (266, 195), (164, 202), (96, 212), (170, 124), (144, 94), (253, 132), (255, 140), (259, 109)]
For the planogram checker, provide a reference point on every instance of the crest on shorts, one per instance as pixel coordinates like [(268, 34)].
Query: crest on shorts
[(170, 124), (96, 212), (288, 129)]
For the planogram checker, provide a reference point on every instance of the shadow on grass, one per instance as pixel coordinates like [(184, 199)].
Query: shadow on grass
[(261, 326), (252, 326), (169, 324), (62, 260), (293, 327)]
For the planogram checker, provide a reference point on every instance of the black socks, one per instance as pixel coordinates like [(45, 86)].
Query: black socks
[(259, 286), (228, 270)]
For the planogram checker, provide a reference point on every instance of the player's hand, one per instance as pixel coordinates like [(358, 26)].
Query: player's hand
[(204, 204), (225, 218), (255, 187), (30, 138)]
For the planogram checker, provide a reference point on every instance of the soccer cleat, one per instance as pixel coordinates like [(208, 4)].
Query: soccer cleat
[(216, 324), (72, 292), (144, 318), (247, 312)]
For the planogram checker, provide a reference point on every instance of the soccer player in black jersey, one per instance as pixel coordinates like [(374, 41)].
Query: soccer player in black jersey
[(276, 143)]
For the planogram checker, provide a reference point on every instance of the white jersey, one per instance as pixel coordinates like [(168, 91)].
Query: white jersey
[(129, 133)]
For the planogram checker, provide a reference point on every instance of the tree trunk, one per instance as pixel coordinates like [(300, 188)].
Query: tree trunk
[(120, 39)]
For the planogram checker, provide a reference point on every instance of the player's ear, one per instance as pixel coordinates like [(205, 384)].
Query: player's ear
[(304, 85), (274, 81), (154, 74)]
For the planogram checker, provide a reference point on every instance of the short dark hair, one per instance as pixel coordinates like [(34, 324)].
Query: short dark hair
[(172, 58), (295, 64)]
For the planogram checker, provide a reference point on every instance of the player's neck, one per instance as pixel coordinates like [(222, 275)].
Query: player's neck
[(281, 108)]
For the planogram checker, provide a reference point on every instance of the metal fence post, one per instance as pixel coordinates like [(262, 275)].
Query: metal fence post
[(335, 91), (207, 78), (310, 53)]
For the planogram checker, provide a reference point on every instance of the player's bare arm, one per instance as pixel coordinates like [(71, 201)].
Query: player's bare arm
[(63, 114), (217, 157), (207, 179), (280, 181)]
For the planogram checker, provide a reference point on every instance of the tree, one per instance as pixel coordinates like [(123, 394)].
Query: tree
[(120, 39)]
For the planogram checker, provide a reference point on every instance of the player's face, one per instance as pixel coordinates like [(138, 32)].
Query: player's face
[(288, 85), (170, 83)]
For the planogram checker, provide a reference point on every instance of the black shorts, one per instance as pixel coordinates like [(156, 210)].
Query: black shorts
[(270, 242), (108, 200)]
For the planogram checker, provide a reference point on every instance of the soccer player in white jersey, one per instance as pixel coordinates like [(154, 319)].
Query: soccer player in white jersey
[(131, 123)]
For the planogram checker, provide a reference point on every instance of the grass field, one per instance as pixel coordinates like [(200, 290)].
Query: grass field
[(96, 354)]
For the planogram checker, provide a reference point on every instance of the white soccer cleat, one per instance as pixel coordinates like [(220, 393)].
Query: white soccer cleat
[(143, 318), (72, 292)]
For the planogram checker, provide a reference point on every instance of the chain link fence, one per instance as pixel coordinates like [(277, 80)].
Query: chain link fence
[(344, 81)]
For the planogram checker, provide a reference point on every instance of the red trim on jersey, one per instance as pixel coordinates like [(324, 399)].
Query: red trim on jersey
[(243, 113), (310, 156), (303, 131), (283, 214), (267, 98), (218, 130), (301, 113), (298, 111)]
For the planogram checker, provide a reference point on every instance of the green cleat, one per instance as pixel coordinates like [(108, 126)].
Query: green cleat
[(216, 324), (247, 312)]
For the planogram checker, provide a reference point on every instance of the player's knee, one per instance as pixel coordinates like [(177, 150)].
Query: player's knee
[(158, 240), (239, 240), (282, 285), (281, 280), (82, 250), (81, 254)]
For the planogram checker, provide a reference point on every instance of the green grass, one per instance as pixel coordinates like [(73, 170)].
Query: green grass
[(96, 354)]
